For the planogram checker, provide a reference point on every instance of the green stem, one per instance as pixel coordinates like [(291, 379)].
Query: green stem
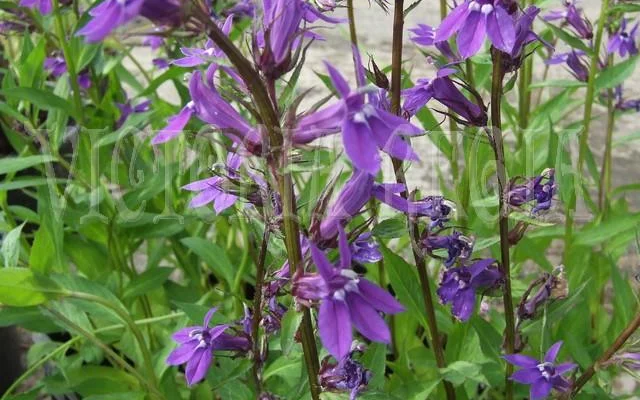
[(352, 24), (584, 138), (396, 81), (257, 312), (498, 146), (604, 187)]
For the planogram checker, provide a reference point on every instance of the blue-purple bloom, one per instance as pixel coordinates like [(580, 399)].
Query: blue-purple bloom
[(126, 109), (538, 190), (623, 41), (473, 20), (365, 250), (194, 56), (573, 59), (197, 344), (345, 299), (623, 104), (153, 41), (458, 246), (572, 16), (460, 285), (212, 190), (347, 374), (43, 6), (57, 67), (366, 129), (543, 376)]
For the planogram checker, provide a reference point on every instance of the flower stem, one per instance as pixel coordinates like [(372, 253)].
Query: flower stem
[(396, 82), (615, 346), (352, 23), (605, 175), (257, 312), (498, 147), (584, 137), (282, 175)]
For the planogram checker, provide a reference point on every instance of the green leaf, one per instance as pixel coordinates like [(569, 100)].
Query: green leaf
[(598, 233), (390, 228), (563, 83), (569, 39), (20, 288), (615, 75), (11, 247), (290, 323), (374, 360), (14, 164), (459, 372), (38, 97), (405, 283), (213, 256), (146, 282)]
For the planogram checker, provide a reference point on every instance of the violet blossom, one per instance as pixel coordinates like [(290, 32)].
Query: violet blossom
[(572, 16), (574, 62), (543, 376), (623, 41), (538, 190), (366, 129), (460, 285), (473, 20), (550, 287), (365, 250), (160, 63), (153, 41), (197, 344), (211, 189), (126, 109), (44, 6), (194, 56), (57, 67), (347, 374), (458, 246), (623, 104), (345, 299)]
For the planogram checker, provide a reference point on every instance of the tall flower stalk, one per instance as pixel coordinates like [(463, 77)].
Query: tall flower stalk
[(503, 219), (421, 264)]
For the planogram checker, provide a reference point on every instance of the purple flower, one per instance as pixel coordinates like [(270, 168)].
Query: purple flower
[(153, 41), (539, 190), (44, 6), (458, 246), (126, 109), (196, 346), (365, 128), (436, 208), (345, 299), (524, 36), (572, 16), (623, 42), (628, 359), (365, 250), (212, 190), (211, 52), (56, 66), (160, 63), (541, 375), (459, 286), (423, 35), (622, 104), (162, 12), (573, 60), (550, 287), (475, 19), (346, 375), (245, 8)]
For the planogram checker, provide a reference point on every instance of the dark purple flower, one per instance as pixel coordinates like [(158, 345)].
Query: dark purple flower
[(622, 104), (365, 128), (194, 56), (162, 12), (436, 208), (473, 20), (572, 16), (153, 41), (623, 42), (246, 8), (365, 250), (43, 6), (212, 190), (539, 190), (550, 287), (126, 109), (346, 375), (524, 36), (541, 375), (573, 60), (460, 285), (56, 66), (345, 299), (458, 246), (160, 63), (197, 344)]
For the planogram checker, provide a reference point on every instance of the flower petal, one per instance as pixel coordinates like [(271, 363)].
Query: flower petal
[(454, 20), (182, 353), (366, 319), (472, 34), (325, 268), (565, 367), (464, 303), (553, 351), (198, 365), (343, 245), (540, 389), (175, 126), (334, 325), (520, 360), (526, 376), (338, 80), (501, 29), (360, 146), (379, 298)]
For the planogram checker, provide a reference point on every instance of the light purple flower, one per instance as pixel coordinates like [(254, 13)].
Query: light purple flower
[(347, 374), (539, 190), (245, 8), (572, 16), (543, 376), (574, 62), (43, 6), (365, 250), (126, 109), (153, 41), (460, 285), (212, 190), (423, 35), (56, 66), (366, 129), (197, 344), (623, 42), (458, 246), (473, 20), (345, 299), (211, 52)]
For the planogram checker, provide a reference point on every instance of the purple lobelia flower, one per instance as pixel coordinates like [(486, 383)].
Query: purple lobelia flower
[(473, 20), (365, 128), (623, 104), (436, 208), (423, 35), (194, 56), (153, 41), (56, 66), (365, 250), (574, 62), (160, 63), (126, 109), (460, 285), (197, 344), (623, 42), (543, 376), (524, 36), (162, 12), (213, 190), (43, 6), (242, 8), (539, 190), (458, 246), (347, 374), (550, 287), (572, 16), (345, 299)]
